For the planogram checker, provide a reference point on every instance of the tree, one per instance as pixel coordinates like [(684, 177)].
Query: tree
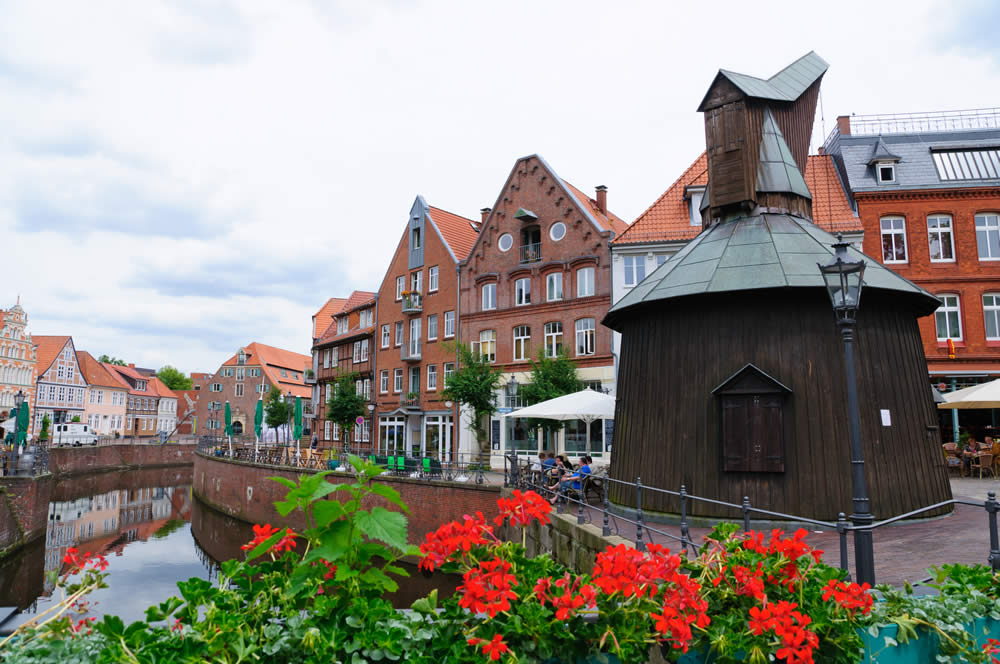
[(275, 410), (43, 435), (173, 378), (346, 405), (551, 377), (474, 384), (76, 418), (111, 360)]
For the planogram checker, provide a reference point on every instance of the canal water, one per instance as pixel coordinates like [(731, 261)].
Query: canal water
[(152, 531)]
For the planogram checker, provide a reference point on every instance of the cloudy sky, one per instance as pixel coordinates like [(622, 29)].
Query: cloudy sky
[(178, 179)]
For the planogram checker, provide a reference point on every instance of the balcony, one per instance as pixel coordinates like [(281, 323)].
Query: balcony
[(412, 303), (409, 401), (410, 352), (531, 253), (310, 378)]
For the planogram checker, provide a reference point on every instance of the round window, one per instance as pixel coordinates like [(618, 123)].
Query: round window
[(505, 242), (558, 231)]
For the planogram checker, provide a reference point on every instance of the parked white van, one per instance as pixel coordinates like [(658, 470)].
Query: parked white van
[(73, 434)]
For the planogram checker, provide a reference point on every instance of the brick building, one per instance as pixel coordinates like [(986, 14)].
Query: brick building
[(538, 277), (927, 189), (187, 406), (60, 387), (346, 347), (417, 314), (241, 380), (106, 397), (17, 361), (166, 406), (142, 408)]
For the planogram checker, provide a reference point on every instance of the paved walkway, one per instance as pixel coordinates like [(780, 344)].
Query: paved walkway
[(902, 551)]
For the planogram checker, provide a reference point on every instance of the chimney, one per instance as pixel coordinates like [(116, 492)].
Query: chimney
[(844, 125), (821, 151), (131, 365), (485, 212), (602, 198)]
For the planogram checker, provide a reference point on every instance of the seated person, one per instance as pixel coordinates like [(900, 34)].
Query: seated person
[(968, 452), (574, 480), (548, 461)]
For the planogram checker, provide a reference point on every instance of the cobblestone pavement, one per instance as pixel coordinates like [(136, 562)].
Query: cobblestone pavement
[(902, 551)]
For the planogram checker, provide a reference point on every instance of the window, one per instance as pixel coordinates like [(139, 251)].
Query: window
[(284, 374), (416, 282), (326, 358), (326, 429), (886, 172), (449, 324), (364, 352), (505, 242), (93, 396), (522, 291), (343, 324), (241, 373), (553, 287), (385, 336), (553, 339), (487, 345), (585, 282), (253, 373), (357, 352), (368, 388), (399, 333), (400, 287), (432, 377), (60, 372), (489, 296), (432, 327), (449, 369), (215, 387), (226, 373), (259, 389), (947, 318), (635, 270), (336, 431), (558, 231), (432, 279), (585, 332), (991, 312), (239, 389), (383, 381), (359, 387), (415, 242), (988, 236), (942, 246), (751, 430), (397, 380), (893, 240), (522, 343), (695, 197), (69, 373)]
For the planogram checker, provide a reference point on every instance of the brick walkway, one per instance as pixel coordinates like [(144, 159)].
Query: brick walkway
[(902, 552)]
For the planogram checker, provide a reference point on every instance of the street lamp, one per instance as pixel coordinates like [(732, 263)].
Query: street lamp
[(844, 279)]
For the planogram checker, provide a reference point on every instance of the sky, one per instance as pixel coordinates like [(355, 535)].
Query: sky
[(179, 179)]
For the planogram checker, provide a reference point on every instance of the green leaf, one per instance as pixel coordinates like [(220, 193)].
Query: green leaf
[(265, 546), (325, 511), (285, 507), (334, 542), (382, 525), (283, 480), (426, 605), (390, 494)]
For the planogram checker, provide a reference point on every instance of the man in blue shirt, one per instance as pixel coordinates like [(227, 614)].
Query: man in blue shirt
[(576, 479)]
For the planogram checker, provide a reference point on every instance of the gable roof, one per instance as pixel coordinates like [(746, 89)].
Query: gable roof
[(95, 373), (272, 360), (130, 372), (117, 377), (324, 317), (668, 218), (160, 388), (356, 300), (457, 232), (49, 348), (787, 85), (881, 153)]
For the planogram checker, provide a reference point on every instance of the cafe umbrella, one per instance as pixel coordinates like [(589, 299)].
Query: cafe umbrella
[(258, 424), (22, 424), (297, 431), (229, 428)]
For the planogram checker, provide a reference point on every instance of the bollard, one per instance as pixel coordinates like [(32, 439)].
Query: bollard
[(684, 524), (991, 509), (639, 544), (606, 530), (842, 529), (746, 514)]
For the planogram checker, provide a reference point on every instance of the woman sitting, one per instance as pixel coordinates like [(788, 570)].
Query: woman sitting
[(575, 480)]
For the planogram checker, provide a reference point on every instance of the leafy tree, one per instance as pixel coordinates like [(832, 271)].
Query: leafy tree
[(551, 377), (43, 435), (173, 378), (276, 411), (346, 405), (111, 360), (76, 418), (474, 384)]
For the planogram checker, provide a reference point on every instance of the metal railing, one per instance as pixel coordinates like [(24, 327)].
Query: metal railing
[(531, 253), (410, 402), (516, 474), (934, 121), (410, 352), (31, 461), (412, 303)]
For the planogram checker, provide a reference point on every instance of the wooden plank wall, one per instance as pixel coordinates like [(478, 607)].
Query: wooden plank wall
[(675, 353)]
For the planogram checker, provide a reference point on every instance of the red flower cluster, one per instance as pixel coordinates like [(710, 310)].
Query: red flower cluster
[(78, 562), (522, 508), (574, 595), (991, 648), (791, 626), (493, 648), (451, 537), (747, 582), (81, 624), (623, 568), (487, 588), (850, 596), (791, 548), (263, 533)]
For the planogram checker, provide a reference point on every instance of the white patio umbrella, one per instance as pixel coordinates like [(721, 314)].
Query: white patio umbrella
[(586, 405), (986, 395)]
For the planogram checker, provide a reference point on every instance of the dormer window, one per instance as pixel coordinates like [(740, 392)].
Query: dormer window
[(886, 172), (242, 357), (694, 196)]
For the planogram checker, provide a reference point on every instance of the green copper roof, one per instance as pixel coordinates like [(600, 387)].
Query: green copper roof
[(787, 85), (759, 251), (776, 169)]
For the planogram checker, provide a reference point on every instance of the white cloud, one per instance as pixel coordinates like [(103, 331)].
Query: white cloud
[(163, 161)]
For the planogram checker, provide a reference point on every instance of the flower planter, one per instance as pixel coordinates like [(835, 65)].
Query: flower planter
[(922, 649)]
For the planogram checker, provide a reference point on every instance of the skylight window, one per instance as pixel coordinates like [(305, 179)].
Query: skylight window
[(967, 164)]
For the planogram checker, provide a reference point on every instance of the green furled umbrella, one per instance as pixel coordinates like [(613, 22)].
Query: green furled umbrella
[(258, 419), (297, 432), (22, 424), (229, 420)]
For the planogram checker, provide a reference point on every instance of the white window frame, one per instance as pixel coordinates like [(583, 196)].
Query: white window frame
[(417, 281), (553, 338), (993, 310), (487, 345), (238, 389), (432, 377), (383, 381), (940, 231), (449, 369), (397, 380), (522, 343), (489, 296), (553, 286), (586, 336), (399, 333), (582, 283), (987, 222), (879, 165), (400, 287), (357, 352), (522, 291), (386, 336), (893, 233), (947, 308), (633, 265), (449, 324), (364, 350), (432, 327), (432, 279)]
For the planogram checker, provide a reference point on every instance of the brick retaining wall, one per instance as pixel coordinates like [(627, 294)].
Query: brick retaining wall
[(73, 460), (243, 491), (25, 500)]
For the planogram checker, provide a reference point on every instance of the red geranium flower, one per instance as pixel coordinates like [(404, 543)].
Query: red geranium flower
[(493, 649), (521, 509)]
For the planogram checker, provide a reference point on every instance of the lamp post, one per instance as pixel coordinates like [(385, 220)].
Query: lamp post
[(18, 402), (843, 277), (371, 419)]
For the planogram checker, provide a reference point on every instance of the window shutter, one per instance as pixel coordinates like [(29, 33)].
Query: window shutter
[(735, 431)]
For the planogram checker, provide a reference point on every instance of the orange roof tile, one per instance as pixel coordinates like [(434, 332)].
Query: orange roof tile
[(608, 219), (49, 348), (356, 300), (110, 368), (130, 372), (273, 360), (160, 388), (323, 317), (458, 232), (95, 373), (668, 218)]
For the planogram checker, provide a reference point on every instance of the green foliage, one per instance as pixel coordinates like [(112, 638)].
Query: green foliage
[(276, 411), (173, 378), (474, 384), (551, 377), (111, 360), (43, 435), (76, 418), (346, 405)]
